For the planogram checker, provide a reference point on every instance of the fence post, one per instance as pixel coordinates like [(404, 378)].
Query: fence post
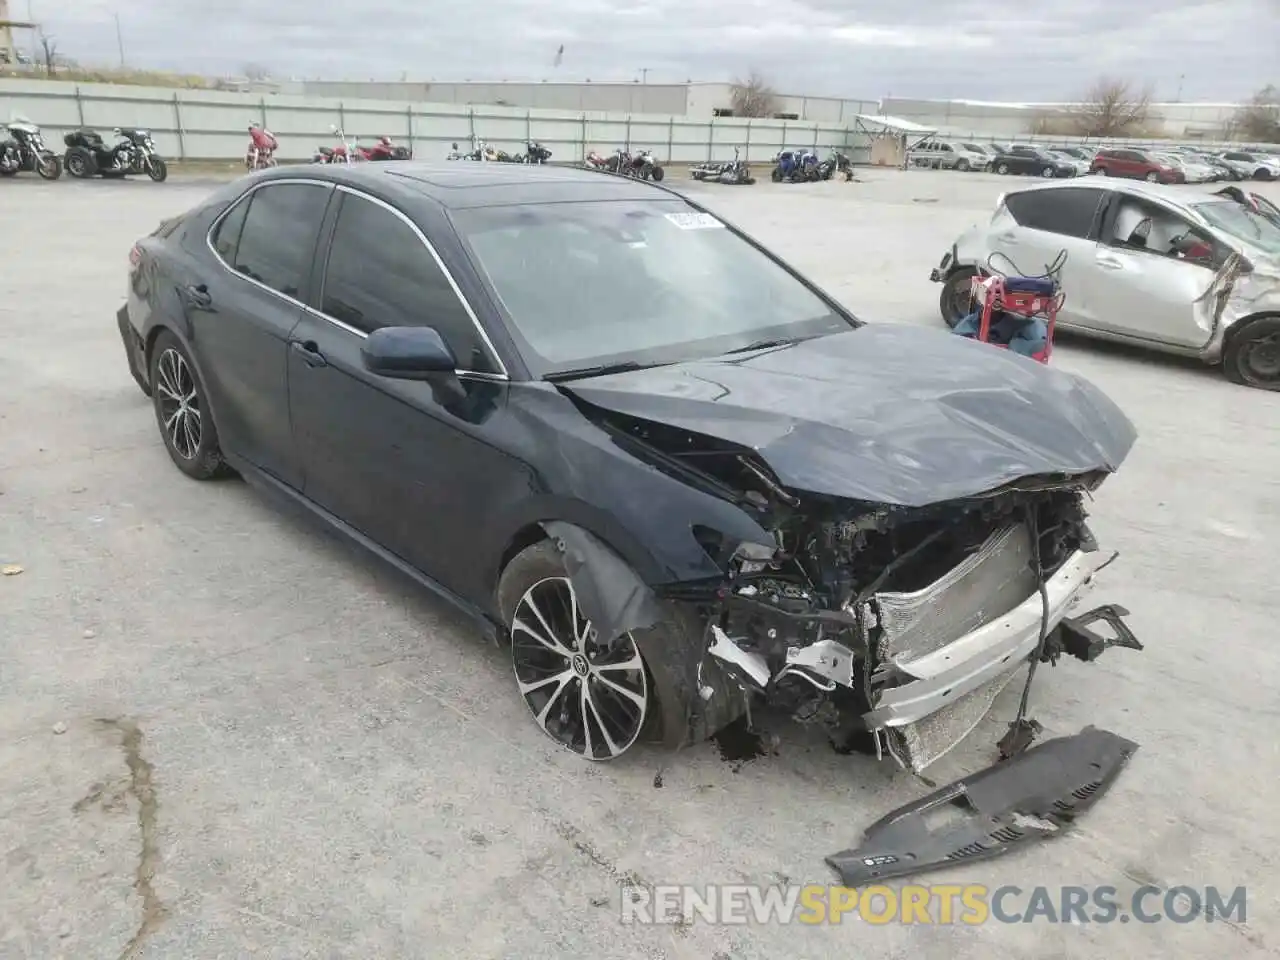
[(262, 111), (746, 150), (815, 138), (627, 145), (711, 137), (528, 124), (784, 136), (409, 120), (342, 117), (177, 124), (471, 119), (79, 105), (584, 137), (671, 138)]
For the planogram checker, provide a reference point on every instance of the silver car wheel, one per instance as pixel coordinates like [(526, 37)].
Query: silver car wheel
[(588, 693), (179, 405)]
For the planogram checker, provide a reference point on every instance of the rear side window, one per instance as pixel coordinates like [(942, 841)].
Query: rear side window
[(227, 236), (1069, 211), (278, 237), (394, 282)]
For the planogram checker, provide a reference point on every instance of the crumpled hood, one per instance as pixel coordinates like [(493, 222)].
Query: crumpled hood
[(887, 413)]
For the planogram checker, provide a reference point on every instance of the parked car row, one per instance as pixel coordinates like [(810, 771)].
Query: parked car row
[(1173, 164)]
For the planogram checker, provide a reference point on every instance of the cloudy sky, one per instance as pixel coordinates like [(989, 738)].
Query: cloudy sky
[(1214, 49)]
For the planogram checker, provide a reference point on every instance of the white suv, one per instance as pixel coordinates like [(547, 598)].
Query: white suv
[(947, 155)]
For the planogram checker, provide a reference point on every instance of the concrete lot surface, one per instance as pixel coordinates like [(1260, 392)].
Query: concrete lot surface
[(224, 734)]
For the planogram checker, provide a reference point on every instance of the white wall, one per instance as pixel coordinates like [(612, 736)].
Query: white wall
[(201, 124)]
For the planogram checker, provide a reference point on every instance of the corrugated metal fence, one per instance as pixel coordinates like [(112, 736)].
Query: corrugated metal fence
[(211, 125)]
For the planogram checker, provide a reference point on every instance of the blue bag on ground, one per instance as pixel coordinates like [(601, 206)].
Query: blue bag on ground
[(1023, 335)]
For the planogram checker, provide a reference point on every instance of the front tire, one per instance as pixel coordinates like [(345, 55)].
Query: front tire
[(1153, 177), (658, 174), (580, 687), (1002, 169), (158, 170), (956, 300), (963, 166), (182, 411), (1252, 357), (1048, 172)]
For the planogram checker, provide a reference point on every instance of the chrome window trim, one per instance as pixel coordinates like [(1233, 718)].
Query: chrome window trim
[(502, 376)]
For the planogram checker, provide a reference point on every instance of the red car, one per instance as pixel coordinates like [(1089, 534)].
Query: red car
[(1135, 165)]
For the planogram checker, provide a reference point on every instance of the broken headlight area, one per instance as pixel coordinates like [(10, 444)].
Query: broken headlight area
[(902, 623)]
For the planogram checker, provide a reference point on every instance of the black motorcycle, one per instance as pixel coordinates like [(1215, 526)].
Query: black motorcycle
[(836, 163), (25, 150), (134, 152), (642, 165), (535, 152), (731, 172)]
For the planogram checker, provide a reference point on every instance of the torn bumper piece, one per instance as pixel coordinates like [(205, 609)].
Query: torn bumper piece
[(1033, 796)]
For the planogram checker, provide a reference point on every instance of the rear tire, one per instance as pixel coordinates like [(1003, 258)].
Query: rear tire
[(49, 166), (182, 411), (962, 166), (80, 163), (664, 649)]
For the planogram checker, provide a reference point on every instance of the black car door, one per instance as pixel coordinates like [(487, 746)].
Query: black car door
[(242, 312), (415, 473)]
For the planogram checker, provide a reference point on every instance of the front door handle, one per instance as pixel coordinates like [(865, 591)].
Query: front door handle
[(310, 352), (1007, 238), (1109, 263), (198, 294)]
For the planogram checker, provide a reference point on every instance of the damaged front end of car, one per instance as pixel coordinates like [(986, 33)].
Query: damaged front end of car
[(898, 623)]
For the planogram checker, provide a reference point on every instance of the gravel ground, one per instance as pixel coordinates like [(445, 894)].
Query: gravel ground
[(224, 734)]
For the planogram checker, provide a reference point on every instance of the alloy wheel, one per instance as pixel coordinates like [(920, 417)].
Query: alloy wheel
[(586, 692), (179, 404)]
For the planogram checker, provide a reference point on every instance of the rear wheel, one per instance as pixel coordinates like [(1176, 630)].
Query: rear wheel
[(80, 163), (962, 166), (1253, 355), (1048, 172), (49, 166), (956, 300), (1153, 177), (182, 411), (1262, 173)]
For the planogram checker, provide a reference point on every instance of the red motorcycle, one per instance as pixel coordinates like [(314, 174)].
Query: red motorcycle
[(596, 162), (262, 149), (348, 151)]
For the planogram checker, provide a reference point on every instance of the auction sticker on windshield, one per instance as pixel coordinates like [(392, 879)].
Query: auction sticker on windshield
[(695, 221)]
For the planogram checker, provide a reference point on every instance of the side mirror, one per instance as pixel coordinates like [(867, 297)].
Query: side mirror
[(408, 353)]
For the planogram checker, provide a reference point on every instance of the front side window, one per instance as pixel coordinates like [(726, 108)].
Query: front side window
[(589, 283), (278, 239), (1146, 227), (1069, 211), (380, 274)]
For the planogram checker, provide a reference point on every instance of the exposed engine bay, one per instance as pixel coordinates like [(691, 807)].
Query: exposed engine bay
[(902, 623)]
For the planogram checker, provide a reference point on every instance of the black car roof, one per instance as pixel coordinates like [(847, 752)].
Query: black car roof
[(461, 184)]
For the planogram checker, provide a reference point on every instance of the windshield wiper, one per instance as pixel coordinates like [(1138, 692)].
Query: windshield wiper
[(766, 344), (598, 371)]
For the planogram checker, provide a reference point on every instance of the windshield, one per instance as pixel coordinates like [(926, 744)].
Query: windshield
[(974, 147), (1240, 222), (648, 282)]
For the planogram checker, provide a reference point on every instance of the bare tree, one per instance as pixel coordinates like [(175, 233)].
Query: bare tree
[(255, 71), (48, 53), (753, 97), (1112, 108), (1259, 119)]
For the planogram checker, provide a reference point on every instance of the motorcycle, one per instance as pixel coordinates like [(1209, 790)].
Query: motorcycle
[(30, 151), (642, 165), (480, 151), (261, 153), (345, 152), (134, 152), (595, 161), (734, 171), (384, 149), (795, 166), (837, 162), (535, 152)]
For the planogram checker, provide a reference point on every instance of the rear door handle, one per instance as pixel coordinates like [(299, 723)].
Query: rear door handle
[(198, 294), (310, 352)]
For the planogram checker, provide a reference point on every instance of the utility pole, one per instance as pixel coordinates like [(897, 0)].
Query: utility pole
[(1178, 97), (119, 40), (644, 74)]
